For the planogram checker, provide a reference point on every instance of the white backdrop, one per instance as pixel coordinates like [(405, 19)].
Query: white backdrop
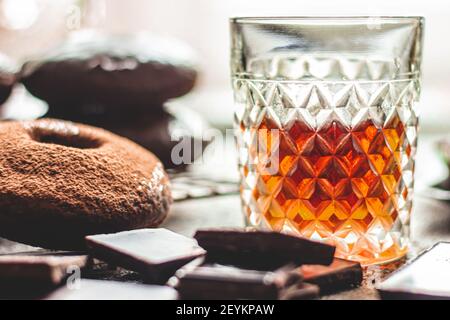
[(204, 24)]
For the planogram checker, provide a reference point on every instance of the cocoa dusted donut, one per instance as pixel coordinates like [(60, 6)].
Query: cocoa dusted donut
[(122, 72), (61, 181)]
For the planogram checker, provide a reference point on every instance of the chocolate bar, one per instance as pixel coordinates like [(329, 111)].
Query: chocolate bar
[(213, 281), (31, 274), (263, 250), (154, 253), (112, 290), (339, 275), (426, 277)]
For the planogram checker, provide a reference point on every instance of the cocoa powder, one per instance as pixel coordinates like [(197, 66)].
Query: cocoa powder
[(61, 181)]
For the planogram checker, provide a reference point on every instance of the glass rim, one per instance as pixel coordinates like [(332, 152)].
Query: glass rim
[(274, 20)]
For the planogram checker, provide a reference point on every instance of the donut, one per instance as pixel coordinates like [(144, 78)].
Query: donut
[(159, 132), (61, 181), (8, 75), (117, 71)]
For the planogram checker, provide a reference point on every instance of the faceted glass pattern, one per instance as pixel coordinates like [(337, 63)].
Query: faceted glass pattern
[(326, 128), (344, 155)]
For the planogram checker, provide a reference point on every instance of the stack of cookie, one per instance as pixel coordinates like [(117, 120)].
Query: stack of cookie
[(117, 82)]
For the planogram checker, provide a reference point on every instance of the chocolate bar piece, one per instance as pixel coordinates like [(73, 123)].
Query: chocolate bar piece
[(263, 250), (29, 274), (112, 290), (227, 282), (339, 275), (154, 253), (426, 277)]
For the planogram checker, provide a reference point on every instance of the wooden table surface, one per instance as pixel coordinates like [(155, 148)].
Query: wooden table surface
[(430, 223)]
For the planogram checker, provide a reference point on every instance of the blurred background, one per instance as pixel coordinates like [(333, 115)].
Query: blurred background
[(30, 26)]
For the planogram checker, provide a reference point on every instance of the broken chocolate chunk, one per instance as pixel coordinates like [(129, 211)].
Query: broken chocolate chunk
[(31, 274), (227, 282), (154, 253), (264, 250), (426, 277), (339, 275)]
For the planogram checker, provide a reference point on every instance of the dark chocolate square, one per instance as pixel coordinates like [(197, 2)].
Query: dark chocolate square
[(154, 253), (214, 281), (32, 274), (112, 290), (263, 250), (339, 275), (426, 277)]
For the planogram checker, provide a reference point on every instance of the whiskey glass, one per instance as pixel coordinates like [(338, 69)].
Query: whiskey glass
[(326, 128)]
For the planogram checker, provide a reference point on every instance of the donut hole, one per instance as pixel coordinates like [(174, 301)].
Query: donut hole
[(73, 141)]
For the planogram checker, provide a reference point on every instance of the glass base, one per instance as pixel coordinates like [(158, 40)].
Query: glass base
[(376, 259)]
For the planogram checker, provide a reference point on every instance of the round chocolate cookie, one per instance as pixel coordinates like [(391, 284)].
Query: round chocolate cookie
[(61, 181), (159, 132), (7, 77), (118, 71)]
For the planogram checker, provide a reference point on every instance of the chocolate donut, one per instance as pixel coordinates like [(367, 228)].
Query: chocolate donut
[(8, 73), (61, 181), (118, 71)]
